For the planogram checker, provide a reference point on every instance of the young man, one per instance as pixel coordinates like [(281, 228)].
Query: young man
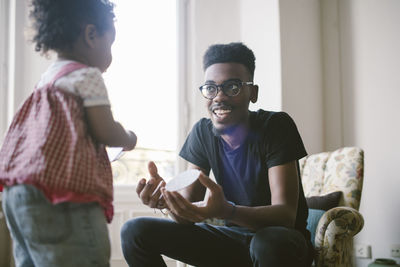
[(258, 193)]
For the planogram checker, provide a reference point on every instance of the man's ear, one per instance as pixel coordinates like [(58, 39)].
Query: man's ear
[(90, 34), (254, 94)]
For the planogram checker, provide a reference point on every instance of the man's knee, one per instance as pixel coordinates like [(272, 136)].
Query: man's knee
[(133, 231), (268, 240), (278, 246), (133, 227)]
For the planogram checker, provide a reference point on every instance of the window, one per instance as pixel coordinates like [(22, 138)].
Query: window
[(142, 85)]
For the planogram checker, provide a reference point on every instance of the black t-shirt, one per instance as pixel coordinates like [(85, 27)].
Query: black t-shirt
[(273, 139)]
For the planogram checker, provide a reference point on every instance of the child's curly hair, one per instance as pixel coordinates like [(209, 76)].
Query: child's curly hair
[(58, 23)]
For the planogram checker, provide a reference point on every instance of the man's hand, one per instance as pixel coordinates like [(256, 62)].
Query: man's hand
[(150, 192), (215, 206)]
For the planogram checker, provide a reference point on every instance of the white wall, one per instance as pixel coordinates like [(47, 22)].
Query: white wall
[(370, 42), (332, 75), (259, 29), (300, 36)]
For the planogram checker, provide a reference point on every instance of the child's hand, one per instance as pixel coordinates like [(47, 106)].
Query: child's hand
[(133, 140)]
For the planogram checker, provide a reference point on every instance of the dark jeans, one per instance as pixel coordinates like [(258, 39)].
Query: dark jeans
[(144, 240)]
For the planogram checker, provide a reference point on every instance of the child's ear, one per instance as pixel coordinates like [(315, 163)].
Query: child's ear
[(90, 34)]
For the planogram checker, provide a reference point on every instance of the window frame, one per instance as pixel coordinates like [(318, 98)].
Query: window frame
[(5, 18)]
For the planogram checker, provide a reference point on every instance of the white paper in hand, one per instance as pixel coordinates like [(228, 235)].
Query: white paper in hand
[(114, 153), (182, 180)]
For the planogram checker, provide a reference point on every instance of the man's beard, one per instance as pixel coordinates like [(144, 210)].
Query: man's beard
[(226, 130)]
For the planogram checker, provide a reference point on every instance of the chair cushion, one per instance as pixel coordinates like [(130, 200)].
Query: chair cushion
[(340, 170), (324, 202), (312, 222)]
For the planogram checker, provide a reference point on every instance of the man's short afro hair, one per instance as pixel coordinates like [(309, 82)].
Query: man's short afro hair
[(230, 53)]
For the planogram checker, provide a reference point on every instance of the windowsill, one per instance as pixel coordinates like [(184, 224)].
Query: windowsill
[(125, 194), (125, 186)]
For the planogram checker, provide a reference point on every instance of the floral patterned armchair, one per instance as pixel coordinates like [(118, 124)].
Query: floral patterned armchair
[(323, 173)]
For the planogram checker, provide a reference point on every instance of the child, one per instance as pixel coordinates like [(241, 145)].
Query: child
[(57, 176)]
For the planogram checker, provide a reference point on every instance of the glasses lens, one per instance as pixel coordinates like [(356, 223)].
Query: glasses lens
[(209, 90), (231, 88)]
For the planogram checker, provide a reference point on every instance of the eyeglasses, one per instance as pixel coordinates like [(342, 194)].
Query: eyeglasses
[(230, 88)]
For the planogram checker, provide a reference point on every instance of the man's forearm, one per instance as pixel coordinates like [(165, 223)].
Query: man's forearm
[(259, 217)]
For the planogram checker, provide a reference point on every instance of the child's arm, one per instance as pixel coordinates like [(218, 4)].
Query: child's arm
[(106, 130)]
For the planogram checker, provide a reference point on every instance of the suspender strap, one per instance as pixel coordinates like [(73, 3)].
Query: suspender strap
[(70, 67)]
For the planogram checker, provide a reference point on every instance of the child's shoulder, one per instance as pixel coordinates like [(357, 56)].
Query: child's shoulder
[(68, 81), (59, 64)]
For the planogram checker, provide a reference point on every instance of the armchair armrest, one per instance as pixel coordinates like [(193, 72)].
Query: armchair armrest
[(334, 237)]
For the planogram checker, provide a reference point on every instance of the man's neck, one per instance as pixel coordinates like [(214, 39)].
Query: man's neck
[(235, 136)]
